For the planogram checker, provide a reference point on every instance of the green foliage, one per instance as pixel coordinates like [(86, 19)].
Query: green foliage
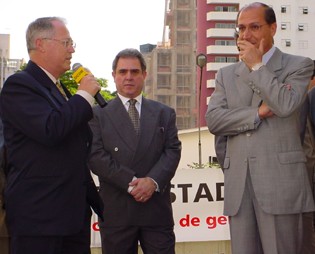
[(196, 165), (72, 86)]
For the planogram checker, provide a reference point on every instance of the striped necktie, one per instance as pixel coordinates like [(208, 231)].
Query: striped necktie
[(134, 115), (60, 88)]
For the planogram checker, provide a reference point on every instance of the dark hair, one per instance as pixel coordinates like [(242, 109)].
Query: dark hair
[(270, 16), (127, 53), (313, 70)]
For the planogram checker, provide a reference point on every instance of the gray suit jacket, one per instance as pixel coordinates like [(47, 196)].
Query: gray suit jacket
[(117, 156), (271, 150)]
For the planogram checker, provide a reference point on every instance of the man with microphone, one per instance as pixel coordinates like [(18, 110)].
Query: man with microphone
[(50, 191), (256, 106)]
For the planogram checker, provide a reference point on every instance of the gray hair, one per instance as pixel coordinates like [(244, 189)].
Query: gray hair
[(129, 52), (40, 28)]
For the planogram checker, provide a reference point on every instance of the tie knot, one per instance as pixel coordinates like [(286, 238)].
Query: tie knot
[(132, 101)]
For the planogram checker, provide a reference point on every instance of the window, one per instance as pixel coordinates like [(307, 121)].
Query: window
[(183, 83), (165, 99), (225, 8), (223, 59), (164, 59), (283, 26), (183, 38), (301, 27), (225, 25), (305, 10), (183, 18), (288, 43), (225, 42), (164, 81), (283, 9)]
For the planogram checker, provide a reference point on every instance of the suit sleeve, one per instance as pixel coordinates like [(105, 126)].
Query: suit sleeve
[(29, 110), (164, 169)]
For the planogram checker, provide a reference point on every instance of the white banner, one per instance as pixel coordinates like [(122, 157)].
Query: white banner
[(197, 198)]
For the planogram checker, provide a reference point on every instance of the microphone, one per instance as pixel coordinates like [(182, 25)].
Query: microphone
[(78, 73)]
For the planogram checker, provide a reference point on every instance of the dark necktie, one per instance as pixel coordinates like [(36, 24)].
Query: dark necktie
[(60, 88), (134, 115)]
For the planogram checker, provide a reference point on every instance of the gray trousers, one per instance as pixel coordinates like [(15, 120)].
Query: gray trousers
[(255, 232)]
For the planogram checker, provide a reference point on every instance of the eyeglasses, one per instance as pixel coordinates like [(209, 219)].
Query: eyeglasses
[(253, 28), (66, 43)]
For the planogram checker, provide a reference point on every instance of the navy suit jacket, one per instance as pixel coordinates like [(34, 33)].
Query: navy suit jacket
[(117, 155), (47, 140)]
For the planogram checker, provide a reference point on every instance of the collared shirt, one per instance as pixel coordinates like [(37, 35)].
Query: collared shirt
[(125, 102), (266, 57), (89, 98)]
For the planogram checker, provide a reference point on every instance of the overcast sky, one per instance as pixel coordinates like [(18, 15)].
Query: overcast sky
[(100, 28)]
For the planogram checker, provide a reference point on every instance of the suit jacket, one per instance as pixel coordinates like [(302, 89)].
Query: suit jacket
[(47, 140), (3, 227), (271, 150), (117, 156)]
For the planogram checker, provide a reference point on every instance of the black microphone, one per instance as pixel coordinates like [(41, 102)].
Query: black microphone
[(78, 73)]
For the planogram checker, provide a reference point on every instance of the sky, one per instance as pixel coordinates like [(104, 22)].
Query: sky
[(100, 28)]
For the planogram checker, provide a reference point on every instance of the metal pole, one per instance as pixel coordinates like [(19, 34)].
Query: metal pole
[(201, 62)]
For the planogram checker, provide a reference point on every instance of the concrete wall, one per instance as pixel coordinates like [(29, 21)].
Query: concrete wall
[(215, 247)]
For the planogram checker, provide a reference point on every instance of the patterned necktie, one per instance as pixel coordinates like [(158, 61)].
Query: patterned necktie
[(134, 115), (60, 88)]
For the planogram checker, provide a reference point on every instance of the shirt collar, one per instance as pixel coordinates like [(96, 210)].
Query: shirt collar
[(268, 55), (125, 99)]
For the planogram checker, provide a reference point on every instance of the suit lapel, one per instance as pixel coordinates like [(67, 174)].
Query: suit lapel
[(149, 122), (275, 62), (245, 93), (121, 122), (45, 82)]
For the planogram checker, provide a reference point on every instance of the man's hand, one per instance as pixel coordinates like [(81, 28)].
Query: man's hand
[(143, 189), (89, 84), (249, 53), (264, 111)]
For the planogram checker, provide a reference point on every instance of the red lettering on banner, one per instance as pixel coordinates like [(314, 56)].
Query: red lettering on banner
[(185, 222), (213, 220), (95, 226)]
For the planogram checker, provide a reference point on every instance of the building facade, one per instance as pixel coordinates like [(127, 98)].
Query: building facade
[(171, 65), (7, 66)]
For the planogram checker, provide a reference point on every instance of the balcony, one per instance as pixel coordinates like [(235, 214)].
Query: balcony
[(218, 15), (216, 67), (225, 50), (220, 32)]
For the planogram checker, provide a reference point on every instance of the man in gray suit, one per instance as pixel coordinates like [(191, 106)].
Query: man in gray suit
[(135, 166), (256, 105)]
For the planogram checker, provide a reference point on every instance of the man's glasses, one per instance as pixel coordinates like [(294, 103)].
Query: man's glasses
[(66, 43), (253, 28)]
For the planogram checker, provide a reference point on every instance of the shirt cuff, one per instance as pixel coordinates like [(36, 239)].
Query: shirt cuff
[(130, 188), (157, 188), (89, 98)]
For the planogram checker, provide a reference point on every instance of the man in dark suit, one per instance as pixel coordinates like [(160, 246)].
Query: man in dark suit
[(4, 236), (256, 105), (135, 166), (49, 187)]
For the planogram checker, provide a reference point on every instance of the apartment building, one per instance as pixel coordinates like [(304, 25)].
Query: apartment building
[(172, 65)]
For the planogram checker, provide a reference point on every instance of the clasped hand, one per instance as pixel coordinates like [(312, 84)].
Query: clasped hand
[(143, 189)]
